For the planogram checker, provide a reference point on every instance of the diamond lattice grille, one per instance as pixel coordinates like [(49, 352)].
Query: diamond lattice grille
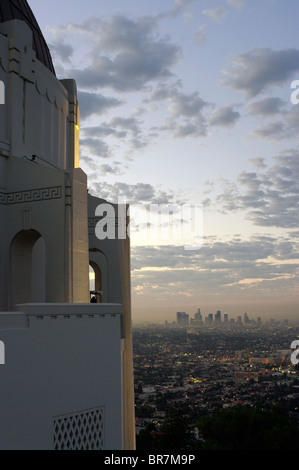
[(80, 431)]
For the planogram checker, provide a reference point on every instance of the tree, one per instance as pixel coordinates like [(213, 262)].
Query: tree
[(145, 440), (175, 433), (244, 428)]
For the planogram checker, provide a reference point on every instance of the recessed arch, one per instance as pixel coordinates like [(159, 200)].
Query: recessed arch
[(27, 268), (99, 264), (95, 279)]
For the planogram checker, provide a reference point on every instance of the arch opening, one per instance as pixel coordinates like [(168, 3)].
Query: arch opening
[(95, 282), (27, 268)]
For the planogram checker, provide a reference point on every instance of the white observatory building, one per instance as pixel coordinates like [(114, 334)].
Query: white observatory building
[(67, 378)]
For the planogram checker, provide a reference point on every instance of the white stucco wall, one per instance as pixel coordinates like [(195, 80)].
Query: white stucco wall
[(60, 359), (40, 117), (41, 114)]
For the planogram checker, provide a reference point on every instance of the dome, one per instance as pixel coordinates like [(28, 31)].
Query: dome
[(20, 10)]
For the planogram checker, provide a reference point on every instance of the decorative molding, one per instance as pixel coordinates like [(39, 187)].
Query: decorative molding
[(31, 195)]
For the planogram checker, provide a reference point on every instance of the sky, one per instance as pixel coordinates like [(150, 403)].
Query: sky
[(189, 104)]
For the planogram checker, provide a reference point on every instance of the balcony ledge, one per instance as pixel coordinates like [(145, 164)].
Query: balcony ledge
[(24, 313)]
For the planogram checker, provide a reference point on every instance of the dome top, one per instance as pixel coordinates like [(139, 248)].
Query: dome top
[(20, 10)]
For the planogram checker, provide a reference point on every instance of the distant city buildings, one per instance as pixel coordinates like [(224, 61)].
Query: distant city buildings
[(215, 319), (218, 317), (182, 319), (202, 370)]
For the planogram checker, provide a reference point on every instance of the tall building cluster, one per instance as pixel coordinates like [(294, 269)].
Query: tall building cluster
[(184, 319)]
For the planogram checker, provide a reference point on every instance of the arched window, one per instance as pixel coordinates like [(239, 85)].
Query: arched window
[(92, 277), (27, 268), (95, 281)]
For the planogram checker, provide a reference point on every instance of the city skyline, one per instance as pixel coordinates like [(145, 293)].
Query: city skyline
[(189, 102), (202, 318)]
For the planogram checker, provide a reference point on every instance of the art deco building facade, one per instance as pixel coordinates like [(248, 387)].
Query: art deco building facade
[(67, 381)]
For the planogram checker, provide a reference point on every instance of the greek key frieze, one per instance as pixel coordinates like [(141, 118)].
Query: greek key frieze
[(32, 195)]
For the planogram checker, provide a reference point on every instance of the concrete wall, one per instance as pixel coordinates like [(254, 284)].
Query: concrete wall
[(60, 359), (52, 203), (40, 117), (112, 256)]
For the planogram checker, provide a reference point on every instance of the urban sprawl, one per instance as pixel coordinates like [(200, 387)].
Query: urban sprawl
[(200, 365)]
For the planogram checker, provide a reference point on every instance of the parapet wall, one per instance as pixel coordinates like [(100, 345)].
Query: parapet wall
[(62, 369)]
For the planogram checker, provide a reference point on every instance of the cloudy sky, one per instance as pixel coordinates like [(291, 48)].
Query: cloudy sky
[(188, 102)]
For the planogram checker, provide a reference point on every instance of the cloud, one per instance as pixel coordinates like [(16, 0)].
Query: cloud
[(258, 162), (266, 107), (180, 104), (106, 169), (95, 103), (118, 127), (216, 14), (132, 55), (60, 46), (139, 193), (177, 10), (103, 130), (225, 117), (187, 110), (195, 127), (236, 4), (61, 51), (127, 55), (163, 91), (287, 128), (259, 69), (95, 147), (88, 162), (97, 140), (129, 124), (95, 170), (269, 197), (228, 267), (200, 36), (273, 131), (186, 105)]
